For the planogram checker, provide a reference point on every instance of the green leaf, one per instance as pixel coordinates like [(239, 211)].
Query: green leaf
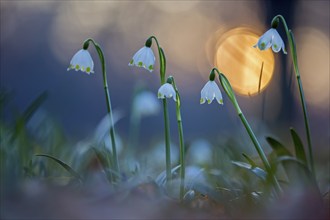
[(291, 159), (278, 147), (297, 171), (64, 165), (256, 170), (229, 90), (251, 162), (33, 107), (299, 147), (162, 63), (104, 156)]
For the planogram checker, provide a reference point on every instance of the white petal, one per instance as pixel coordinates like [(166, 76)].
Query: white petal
[(283, 48), (277, 42), (150, 60), (205, 93), (265, 41), (137, 55), (218, 96), (212, 89), (167, 90), (174, 96)]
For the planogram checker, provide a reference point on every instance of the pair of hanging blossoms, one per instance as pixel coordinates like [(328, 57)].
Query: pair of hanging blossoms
[(211, 91), (270, 38), (145, 58)]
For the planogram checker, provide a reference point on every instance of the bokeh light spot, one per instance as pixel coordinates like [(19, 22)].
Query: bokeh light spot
[(313, 60), (248, 69)]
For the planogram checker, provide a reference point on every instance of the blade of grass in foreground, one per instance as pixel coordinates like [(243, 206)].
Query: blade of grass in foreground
[(255, 170), (64, 165), (299, 147), (279, 148)]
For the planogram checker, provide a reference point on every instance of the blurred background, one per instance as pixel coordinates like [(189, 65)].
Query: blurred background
[(39, 38)]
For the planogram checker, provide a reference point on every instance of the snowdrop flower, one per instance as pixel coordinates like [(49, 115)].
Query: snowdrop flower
[(271, 39), (209, 92), (144, 58), (83, 61), (166, 91)]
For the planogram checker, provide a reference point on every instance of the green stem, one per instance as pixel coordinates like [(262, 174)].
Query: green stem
[(181, 139), (162, 61), (293, 50), (162, 71), (229, 91), (261, 153), (108, 101), (167, 142)]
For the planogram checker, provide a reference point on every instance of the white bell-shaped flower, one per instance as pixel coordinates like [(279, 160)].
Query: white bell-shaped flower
[(271, 39), (144, 58), (82, 61), (166, 91), (209, 92)]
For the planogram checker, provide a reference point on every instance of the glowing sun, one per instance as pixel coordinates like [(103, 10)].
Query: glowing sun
[(248, 69)]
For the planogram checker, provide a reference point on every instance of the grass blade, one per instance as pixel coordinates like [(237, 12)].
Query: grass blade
[(33, 107), (251, 162), (297, 171), (64, 165), (256, 170), (278, 147), (299, 147)]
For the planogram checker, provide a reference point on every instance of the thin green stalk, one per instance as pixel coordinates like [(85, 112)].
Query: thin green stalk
[(108, 101), (293, 50), (261, 153), (181, 139), (229, 91), (162, 71)]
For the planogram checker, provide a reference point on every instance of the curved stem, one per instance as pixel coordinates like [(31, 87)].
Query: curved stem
[(162, 71), (293, 51), (108, 101), (162, 61), (229, 91), (181, 140)]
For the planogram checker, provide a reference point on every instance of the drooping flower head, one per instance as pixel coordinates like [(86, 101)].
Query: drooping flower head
[(82, 61), (211, 91), (166, 91), (271, 39), (144, 57)]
